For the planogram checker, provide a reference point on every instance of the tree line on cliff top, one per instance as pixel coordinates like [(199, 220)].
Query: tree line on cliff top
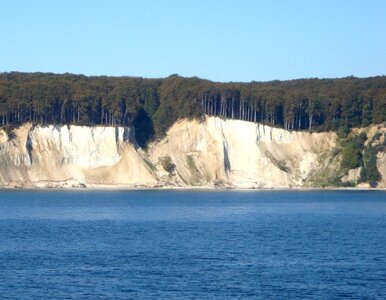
[(153, 105)]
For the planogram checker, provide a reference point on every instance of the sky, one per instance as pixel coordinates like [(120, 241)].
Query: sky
[(220, 40)]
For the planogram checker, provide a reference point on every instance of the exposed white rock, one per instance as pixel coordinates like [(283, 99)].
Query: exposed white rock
[(242, 154), (381, 164), (352, 175), (71, 155), (213, 152), (85, 147)]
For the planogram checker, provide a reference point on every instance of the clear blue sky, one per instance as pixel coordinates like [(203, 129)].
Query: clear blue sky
[(239, 40)]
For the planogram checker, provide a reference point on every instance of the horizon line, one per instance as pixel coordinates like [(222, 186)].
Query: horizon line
[(183, 76)]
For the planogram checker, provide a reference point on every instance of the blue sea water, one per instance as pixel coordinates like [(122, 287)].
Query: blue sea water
[(192, 244)]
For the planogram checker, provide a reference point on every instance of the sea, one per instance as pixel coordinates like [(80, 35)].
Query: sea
[(192, 244)]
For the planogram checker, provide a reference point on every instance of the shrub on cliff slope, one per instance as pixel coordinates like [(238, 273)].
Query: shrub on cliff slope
[(352, 151)]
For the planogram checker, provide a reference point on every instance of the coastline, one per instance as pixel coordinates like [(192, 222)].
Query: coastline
[(101, 187)]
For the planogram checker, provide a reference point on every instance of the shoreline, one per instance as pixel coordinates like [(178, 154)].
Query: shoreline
[(96, 187)]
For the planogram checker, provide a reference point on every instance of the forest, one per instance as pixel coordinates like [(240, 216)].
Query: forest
[(153, 105)]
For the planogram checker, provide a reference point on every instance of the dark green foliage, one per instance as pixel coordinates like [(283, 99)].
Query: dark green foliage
[(343, 131), (363, 175), (369, 171), (304, 104), (351, 157), (167, 164), (365, 157), (373, 174), (352, 151), (151, 102), (360, 139)]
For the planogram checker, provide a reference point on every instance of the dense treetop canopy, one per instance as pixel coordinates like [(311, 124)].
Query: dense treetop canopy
[(152, 105)]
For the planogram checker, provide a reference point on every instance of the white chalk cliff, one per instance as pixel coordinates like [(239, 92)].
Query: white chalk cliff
[(210, 153), (71, 156)]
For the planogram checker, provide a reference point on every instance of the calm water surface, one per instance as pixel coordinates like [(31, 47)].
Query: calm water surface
[(192, 244)]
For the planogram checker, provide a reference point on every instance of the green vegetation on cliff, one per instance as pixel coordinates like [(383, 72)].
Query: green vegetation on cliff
[(356, 153), (369, 171), (152, 105), (352, 148)]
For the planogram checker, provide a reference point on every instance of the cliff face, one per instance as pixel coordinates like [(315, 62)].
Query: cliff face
[(242, 154), (214, 152), (72, 155)]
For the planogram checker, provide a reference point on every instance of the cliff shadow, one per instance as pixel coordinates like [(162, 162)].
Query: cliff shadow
[(144, 128)]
